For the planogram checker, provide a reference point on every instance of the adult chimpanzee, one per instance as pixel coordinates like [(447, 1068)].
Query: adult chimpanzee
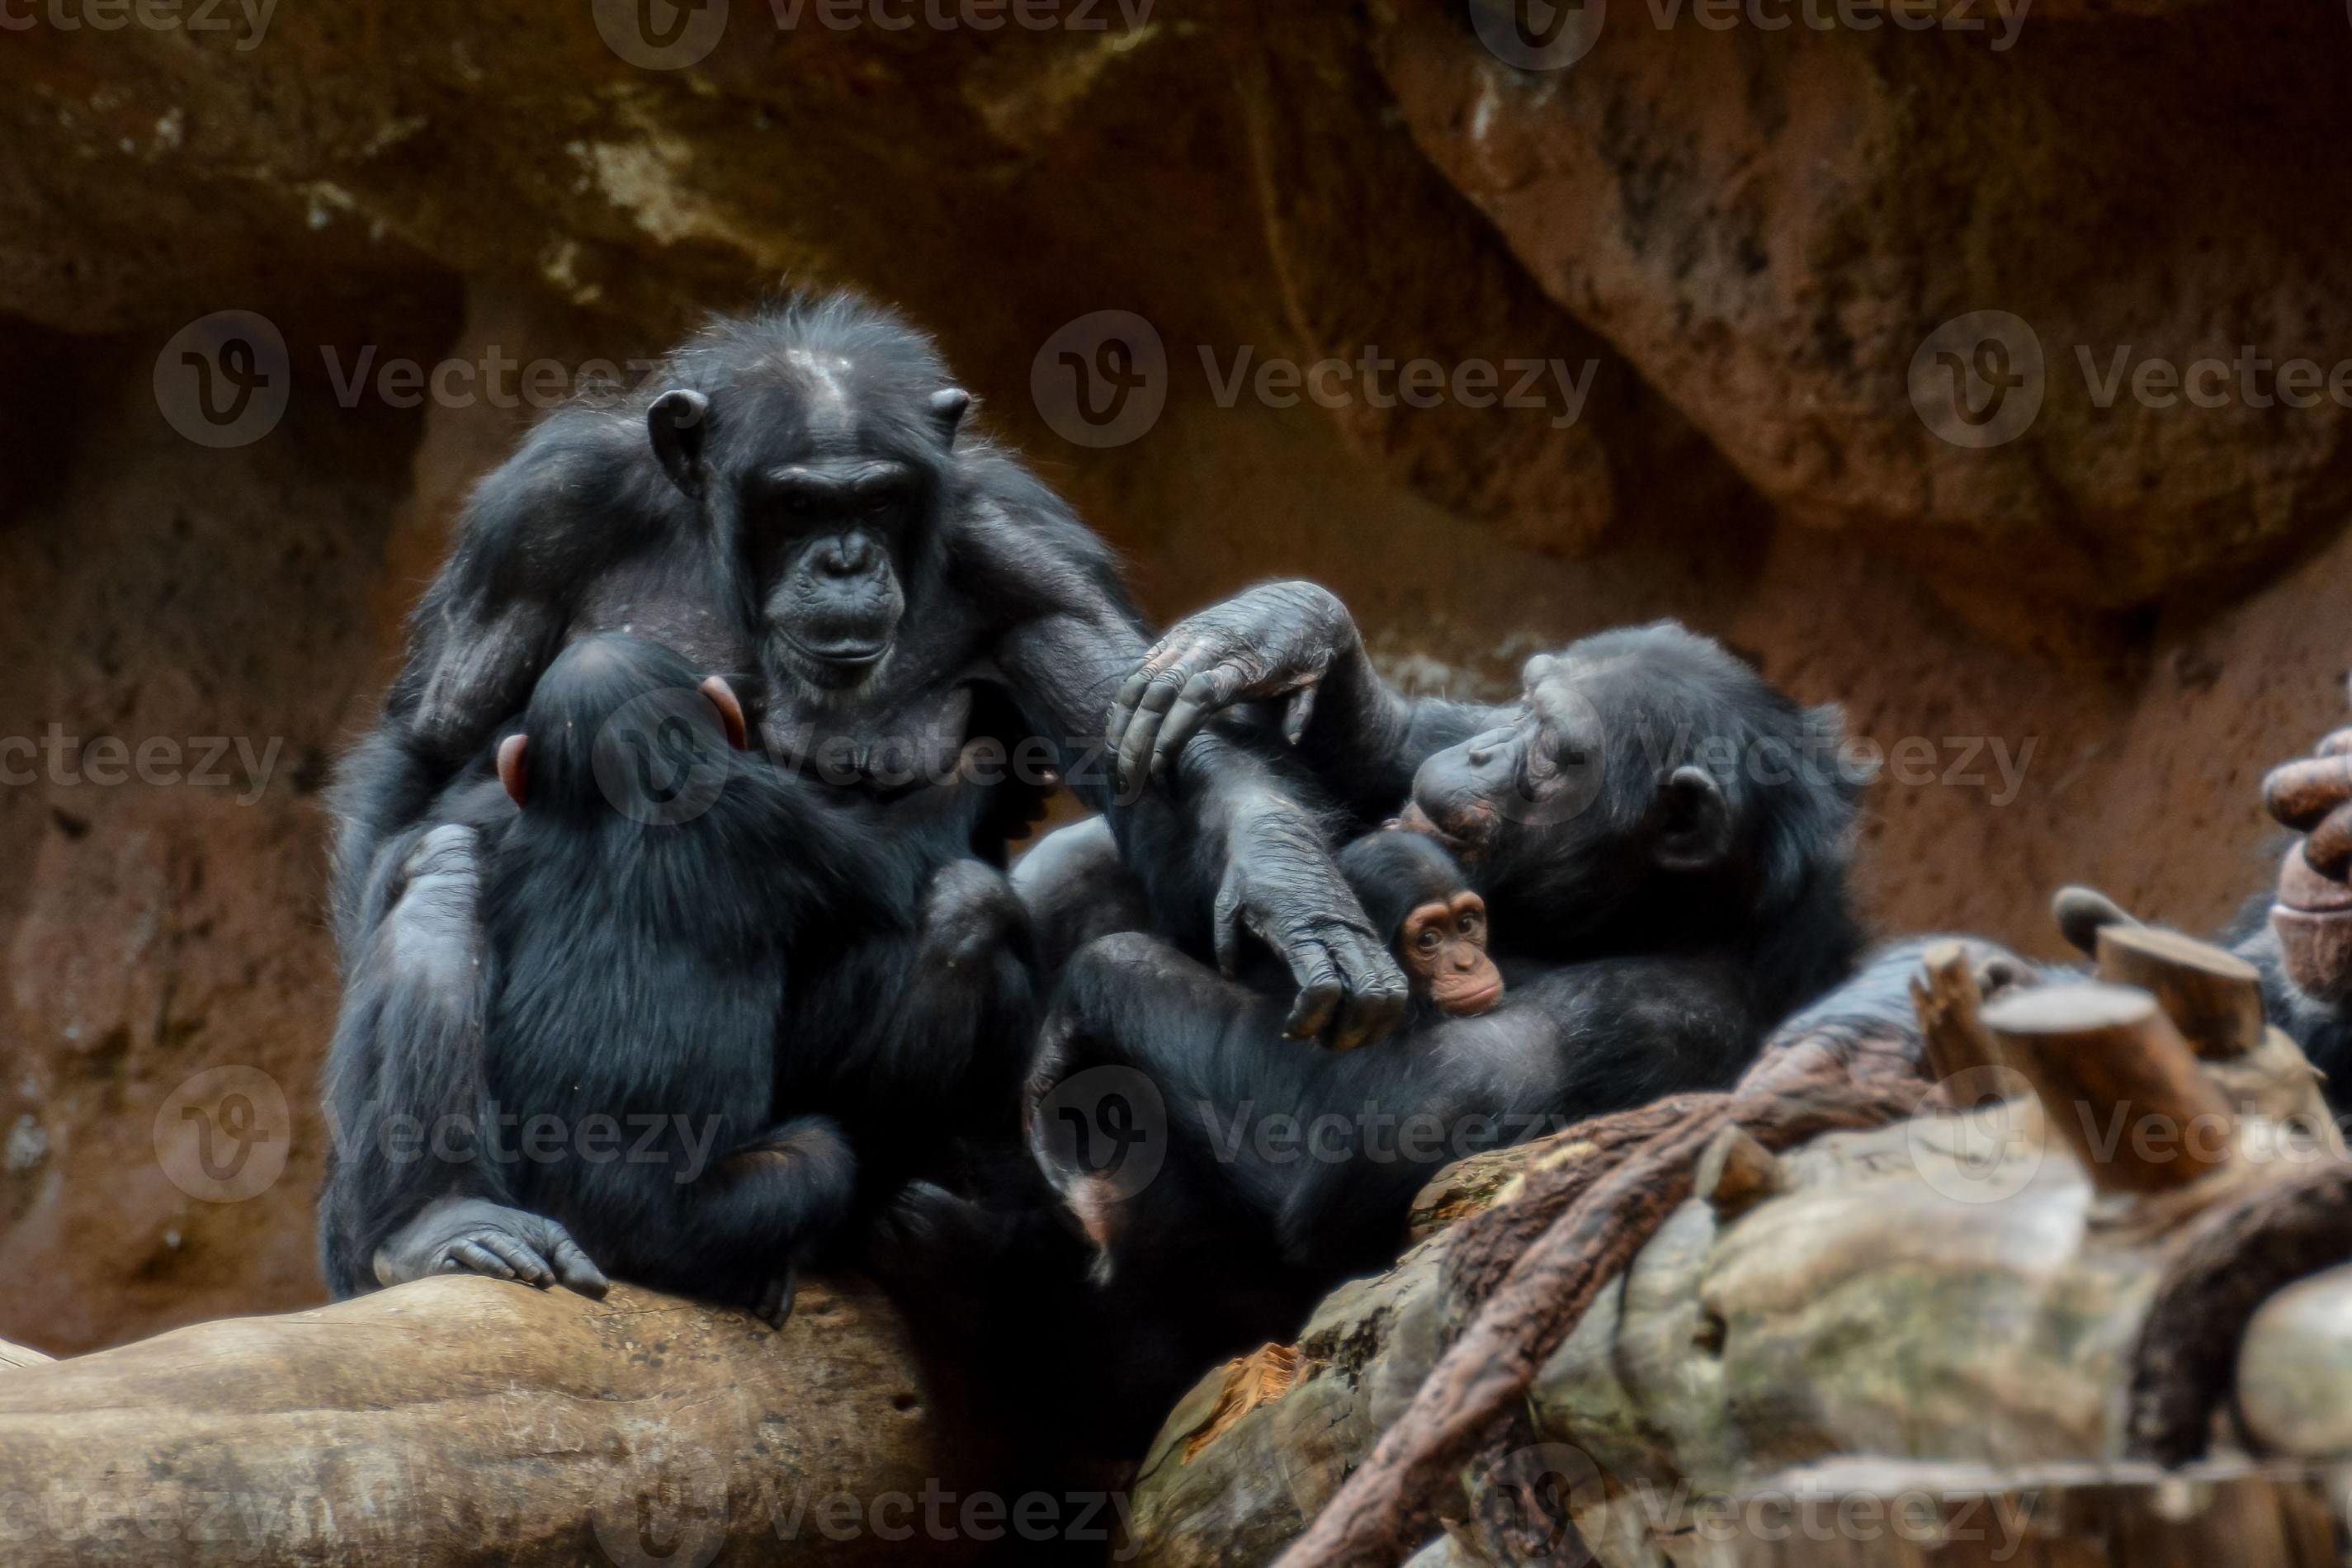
[(796, 499), (678, 1050), (1667, 832)]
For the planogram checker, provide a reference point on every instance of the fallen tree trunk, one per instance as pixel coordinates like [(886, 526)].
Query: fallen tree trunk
[(463, 1420)]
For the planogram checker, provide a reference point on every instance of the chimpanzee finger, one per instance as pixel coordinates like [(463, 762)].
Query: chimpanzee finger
[(476, 1258), (1227, 927), (1299, 713), (574, 1272), (1204, 696), (524, 1259), (1162, 654), (1143, 729), (1320, 994), (2336, 744), (1373, 1007)]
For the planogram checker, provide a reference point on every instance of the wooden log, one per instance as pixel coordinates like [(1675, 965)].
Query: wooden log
[(2212, 996), (1960, 1053), (463, 1420), (2118, 1083), (19, 1355), (1881, 1513)]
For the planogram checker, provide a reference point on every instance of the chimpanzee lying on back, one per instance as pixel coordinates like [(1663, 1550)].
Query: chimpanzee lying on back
[(677, 1029), (1663, 839)]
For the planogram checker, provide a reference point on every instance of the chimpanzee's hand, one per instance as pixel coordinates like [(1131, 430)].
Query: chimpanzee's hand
[(1273, 640), (1281, 886), (474, 1235)]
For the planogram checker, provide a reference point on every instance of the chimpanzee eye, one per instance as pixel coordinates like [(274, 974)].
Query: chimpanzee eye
[(1429, 939), (1471, 920)]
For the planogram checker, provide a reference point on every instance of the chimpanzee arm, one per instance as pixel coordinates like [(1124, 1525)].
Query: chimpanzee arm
[(547, 519), (1228, 845), (1294, 642)]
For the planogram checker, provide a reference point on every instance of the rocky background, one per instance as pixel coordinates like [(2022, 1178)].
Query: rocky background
[(1739, 239)]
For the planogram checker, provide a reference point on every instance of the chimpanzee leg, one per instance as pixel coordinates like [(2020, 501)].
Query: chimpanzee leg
[(738, 1231)]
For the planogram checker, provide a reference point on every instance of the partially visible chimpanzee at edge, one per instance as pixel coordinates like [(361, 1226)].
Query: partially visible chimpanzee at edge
[(678, 1065), (796, 500), (2298, 935), (1663, 839)]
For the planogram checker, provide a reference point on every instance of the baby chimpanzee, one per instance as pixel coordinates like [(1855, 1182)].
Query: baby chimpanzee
[(683, 946), (1425, 911)]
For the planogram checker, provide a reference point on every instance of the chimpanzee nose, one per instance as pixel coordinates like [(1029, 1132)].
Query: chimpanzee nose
[(852, 555)]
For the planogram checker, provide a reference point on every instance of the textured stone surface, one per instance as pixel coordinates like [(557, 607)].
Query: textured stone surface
[(1743, 237)]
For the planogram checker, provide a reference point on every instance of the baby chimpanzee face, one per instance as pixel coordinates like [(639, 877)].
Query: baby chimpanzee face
[(1442, 947)]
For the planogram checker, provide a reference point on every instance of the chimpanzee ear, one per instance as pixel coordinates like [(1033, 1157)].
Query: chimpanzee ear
[(511, 772), (677, 422), (1695, 831), (948, 406), (730, 712)]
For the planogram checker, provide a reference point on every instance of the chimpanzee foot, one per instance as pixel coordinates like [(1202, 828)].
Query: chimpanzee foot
[(773, 1304)]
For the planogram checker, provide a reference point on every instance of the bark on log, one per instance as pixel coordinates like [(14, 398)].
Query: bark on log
[(464, 1420)]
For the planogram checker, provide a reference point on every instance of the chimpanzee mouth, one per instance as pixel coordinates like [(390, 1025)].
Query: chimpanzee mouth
[(2307, 891), (840, 655), (1465, 846)]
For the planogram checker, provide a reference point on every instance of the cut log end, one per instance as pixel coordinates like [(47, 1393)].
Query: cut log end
[(2118, 1082), (2213, 996)]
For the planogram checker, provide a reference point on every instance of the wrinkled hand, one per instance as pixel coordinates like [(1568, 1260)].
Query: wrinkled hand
[(1281, 886), (1273, 640), (474, 1235)]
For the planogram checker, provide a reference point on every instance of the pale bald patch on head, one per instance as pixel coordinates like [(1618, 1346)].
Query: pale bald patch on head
[(827, 378)]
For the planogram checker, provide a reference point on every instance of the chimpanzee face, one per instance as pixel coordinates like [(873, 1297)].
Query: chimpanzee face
[(824, 476), (1579, 797), (826, 537)]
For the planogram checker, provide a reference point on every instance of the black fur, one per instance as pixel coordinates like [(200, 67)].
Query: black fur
[(1662, 839), (704, 988)]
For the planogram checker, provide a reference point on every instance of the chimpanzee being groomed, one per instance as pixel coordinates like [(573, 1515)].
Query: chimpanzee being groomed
[(1663, 837), (796, 500), (680, 1067)]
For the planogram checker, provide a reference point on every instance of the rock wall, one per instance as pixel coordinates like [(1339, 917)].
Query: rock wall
[(1723, 249)]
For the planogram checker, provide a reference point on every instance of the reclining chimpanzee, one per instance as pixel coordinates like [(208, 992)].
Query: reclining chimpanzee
[(677, 1064), (1663, 838)]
